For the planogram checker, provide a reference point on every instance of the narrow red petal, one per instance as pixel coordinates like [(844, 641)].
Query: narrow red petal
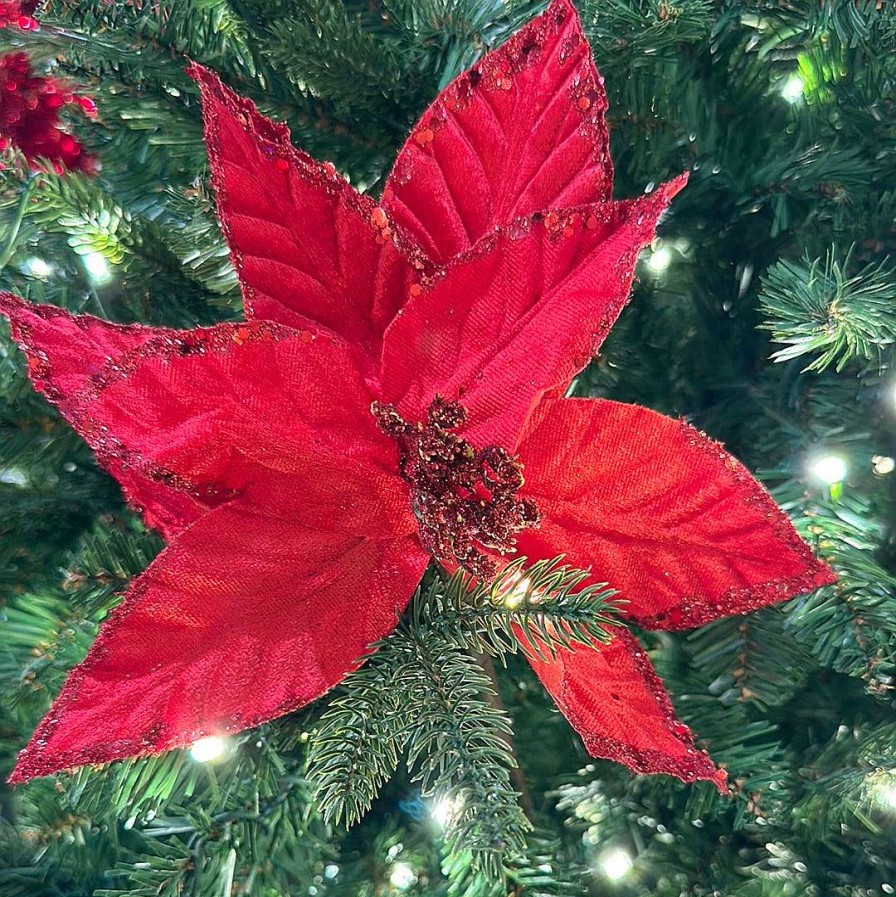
[(309, 250), (661, 512), (244, 617), (64, 352), (519, 314), (614, 699), (523, 130)]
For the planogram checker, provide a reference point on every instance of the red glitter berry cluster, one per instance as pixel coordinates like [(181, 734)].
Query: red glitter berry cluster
[(18, 14), (29, 115), (463, 499)]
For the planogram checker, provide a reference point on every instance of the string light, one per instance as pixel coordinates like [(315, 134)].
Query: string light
[(445, 809), (830, 469), (402, 877), (659, 259), (37, 267), (792, 88), (97, 268), (518, 593), (13, 476), (882, 790), (207, 750), (883, 464), (615, 863)]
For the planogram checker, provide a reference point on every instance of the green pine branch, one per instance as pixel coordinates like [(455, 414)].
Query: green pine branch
[(818, 308)]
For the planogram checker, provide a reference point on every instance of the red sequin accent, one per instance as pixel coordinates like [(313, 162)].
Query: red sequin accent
[(464, 500)]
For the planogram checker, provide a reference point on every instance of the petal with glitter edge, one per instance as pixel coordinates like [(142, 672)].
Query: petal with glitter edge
[(308, 249), (244, 617), (518, 315), (675, 524), (212, 412), (614, 699), (64, 351), (523, 130)]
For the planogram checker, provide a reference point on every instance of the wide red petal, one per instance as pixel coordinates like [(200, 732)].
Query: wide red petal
[(64, 351), (521, 131), (519, 314), (614, 699), (212, 412), (660, 512), (309, 250), (244, 617)]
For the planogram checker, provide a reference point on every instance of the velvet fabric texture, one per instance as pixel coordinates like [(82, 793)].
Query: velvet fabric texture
[(489, 274)]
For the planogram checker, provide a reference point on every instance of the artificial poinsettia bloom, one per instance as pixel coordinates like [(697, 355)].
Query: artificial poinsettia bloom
[(393, 397)]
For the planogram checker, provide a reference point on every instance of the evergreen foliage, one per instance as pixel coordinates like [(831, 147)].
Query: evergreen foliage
[(785, 116)]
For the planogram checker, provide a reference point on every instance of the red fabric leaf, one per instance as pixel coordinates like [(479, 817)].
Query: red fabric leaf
[(64, 351), (308, 248), (521, 131), (186, 419), (247, 615), (234, 408), (614, 699), (519, 314), (659, 511)]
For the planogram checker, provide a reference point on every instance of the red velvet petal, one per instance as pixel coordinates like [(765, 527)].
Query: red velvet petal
[(236, 407), (308, 248), (522, 131), (206, 413), (614, 699), (521, 313), (64, 351), (659, 511), (244, 617)]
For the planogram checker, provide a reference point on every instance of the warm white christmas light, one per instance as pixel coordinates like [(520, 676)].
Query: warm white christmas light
[(829, 469), (402, 876), (518, 593), (883, 790), (13, 476), (97, 267), (206, 750), (883, 464), (444, 810), (615, 863), (37, 267), (792, 88), (659, 259)]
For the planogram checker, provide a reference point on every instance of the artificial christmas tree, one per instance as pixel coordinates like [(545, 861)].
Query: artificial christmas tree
[(792, 700)]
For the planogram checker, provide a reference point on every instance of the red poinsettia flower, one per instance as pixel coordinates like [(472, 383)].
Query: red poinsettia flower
[(399, 370)]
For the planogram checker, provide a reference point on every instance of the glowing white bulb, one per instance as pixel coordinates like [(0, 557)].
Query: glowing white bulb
[(792, 88), (829, 469), (37, 267), (883, 790), (883, 464), (615, 863), (659, 259), (13, 476), (445, 809), (518, 594), (205, 750), (97, 267), (331, 870), (402, 876)]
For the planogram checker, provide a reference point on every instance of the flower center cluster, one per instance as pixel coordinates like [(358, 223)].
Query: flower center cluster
[(464, 500)]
